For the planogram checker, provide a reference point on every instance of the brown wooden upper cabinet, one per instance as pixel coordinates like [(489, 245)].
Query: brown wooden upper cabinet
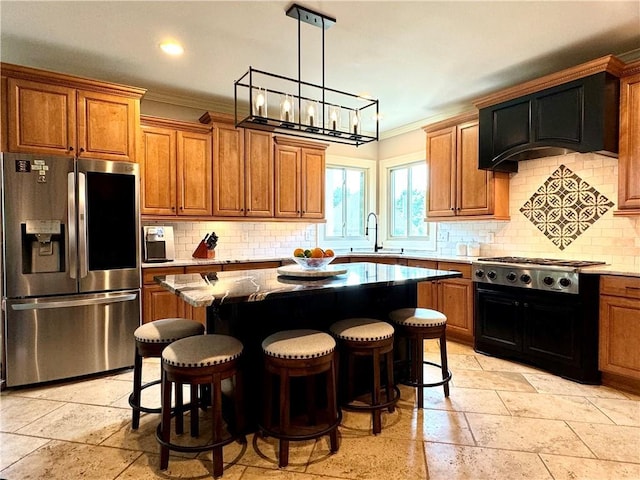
[(175, 164), (299, 178), (457, 189), (629, 148), (55, 114), (243, 178)]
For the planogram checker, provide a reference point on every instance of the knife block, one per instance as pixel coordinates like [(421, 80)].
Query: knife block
[(202, 251)]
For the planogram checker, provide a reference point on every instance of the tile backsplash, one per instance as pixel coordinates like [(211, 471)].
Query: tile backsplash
[(609, 238)]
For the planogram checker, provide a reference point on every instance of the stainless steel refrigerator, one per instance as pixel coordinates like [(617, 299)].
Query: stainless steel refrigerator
[(70, 266)]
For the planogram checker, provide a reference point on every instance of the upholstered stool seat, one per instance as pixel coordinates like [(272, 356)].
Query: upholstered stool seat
[(372, 338), (150, 339), (417, 325), (202, 360), (299, 353)]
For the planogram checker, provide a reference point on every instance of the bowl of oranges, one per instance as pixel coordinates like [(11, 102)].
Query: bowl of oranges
[(313, 258)]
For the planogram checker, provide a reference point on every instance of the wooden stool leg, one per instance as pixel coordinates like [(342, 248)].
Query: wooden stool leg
[(137, 389), (418, 361), (375, 393), (166, 421), (390, 391), (285, 419), (443, 361), (332, 402), (195, 424), (311, 399), (216, 401), (178, 409)]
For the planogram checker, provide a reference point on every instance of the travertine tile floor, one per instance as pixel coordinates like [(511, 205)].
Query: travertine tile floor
[(502, 421)]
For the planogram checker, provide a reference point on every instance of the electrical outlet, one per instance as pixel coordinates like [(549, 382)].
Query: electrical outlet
[(491, 237), (443, 236), (244, 237)]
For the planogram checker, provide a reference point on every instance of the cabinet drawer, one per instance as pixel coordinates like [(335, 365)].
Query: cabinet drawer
[(250, 265), (620, 286), (149, 273), (203, 268), (423, 264), (463, 268)]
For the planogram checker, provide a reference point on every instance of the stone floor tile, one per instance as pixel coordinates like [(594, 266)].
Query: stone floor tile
[(610, 442), (263, 452), (147, 467), (621, 412), (547, 383), (372, 457), (20, 411), (252, 473), (511, 381), (558, 407), (526, 434), (69, 460), (465, 400), (572, 468), (79, 423), (498, 364), (14, 447), (455, 462), (94, 391)]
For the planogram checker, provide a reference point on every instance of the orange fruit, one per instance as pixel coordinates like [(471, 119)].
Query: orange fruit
[(328, 253), (298, 252), (317, 253)]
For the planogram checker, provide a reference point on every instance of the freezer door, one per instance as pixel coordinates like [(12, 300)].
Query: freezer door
[(37, 230), (62, 337), (108, 225)]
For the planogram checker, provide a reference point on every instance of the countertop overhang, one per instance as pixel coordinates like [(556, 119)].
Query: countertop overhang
[(205, 289)]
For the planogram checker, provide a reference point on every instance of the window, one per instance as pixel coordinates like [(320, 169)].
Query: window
[(345, 202), (403, 188), (407, 188)]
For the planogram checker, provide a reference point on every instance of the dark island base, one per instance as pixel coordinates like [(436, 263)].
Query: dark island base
[(251, 322)]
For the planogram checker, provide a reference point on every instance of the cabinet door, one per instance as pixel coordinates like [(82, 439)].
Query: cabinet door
[(259, 174), (106, 126), (455, 300), (287, 184), (441, 154), (160, 303), (312, 183), (629, 157), (619, 334), (473, 186), (158, 171), (194, 173), (228, 167), (42, 118)]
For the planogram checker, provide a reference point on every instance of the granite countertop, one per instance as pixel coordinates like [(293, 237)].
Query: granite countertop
[(201, 290)]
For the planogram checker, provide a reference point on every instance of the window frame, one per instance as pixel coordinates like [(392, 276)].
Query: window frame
[(370, 168), (423, 243)]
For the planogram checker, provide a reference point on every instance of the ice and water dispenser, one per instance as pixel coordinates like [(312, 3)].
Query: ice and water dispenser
[(43, 246)]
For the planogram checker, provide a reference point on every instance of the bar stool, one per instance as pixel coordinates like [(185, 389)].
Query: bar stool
[(151, 338), (202, 360), (417, 325), (371, 338), (299, 353)]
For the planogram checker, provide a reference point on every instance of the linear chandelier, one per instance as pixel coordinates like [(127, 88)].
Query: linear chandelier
[(302, 109)]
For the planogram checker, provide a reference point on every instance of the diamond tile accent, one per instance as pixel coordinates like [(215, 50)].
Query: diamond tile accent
[(564, 207)]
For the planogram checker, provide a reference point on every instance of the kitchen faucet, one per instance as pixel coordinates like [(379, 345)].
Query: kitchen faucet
[(376, 247)]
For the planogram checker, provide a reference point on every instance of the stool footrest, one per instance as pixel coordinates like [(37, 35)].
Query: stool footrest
[(270, 432), (197, 448), (411, 383), (380, 406), (142, 408)]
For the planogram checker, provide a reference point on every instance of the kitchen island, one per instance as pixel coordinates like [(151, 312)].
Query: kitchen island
[(252, 304)]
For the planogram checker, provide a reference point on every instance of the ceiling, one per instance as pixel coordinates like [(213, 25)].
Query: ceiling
[(421, 59)]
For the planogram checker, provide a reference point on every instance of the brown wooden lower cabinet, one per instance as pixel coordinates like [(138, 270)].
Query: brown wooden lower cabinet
[(453, 297), (619, 356)]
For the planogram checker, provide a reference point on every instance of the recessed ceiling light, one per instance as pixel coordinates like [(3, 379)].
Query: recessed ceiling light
[(172, 48)]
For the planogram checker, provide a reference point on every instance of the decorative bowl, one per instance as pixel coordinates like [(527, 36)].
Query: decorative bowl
[(313, 263)]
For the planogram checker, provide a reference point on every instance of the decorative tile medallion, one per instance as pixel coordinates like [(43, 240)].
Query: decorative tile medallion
[(564, 207)]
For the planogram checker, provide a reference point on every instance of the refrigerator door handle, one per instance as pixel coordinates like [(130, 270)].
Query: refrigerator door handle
[(71, 222), (83, 254), (74, 303)]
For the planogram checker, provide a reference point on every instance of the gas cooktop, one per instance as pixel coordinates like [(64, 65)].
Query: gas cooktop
[(542, 261)]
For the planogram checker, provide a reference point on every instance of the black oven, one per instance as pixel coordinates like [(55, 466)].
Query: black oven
[(540, 314)]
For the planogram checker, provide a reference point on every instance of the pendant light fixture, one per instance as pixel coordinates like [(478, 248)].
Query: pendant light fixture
[(299, 108)]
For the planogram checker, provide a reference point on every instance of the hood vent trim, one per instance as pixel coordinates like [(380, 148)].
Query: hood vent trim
[(580, 115)]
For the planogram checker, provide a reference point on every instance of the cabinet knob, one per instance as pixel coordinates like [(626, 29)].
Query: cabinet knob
[(71, 149), (517, 304), (452, 209), (81, 150)]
